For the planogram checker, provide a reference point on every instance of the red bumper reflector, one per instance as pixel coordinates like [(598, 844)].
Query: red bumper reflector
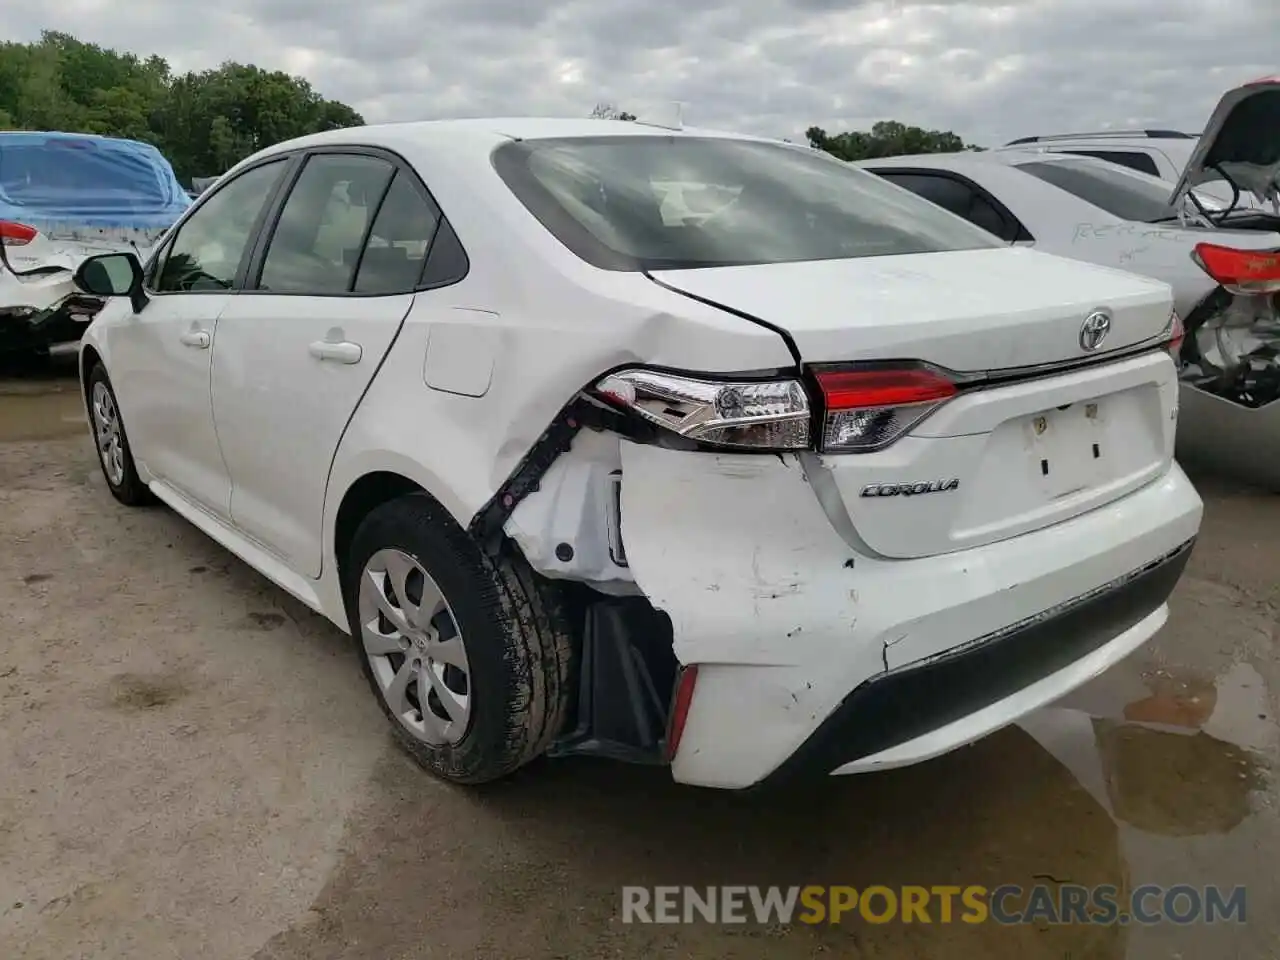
[(680, 704)]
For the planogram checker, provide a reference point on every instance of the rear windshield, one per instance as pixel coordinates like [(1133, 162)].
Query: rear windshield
[(1123, 193), (665, 203), (109, 174)]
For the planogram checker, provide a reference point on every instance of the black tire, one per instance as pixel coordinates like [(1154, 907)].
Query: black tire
[(129, 490), (518, 646)]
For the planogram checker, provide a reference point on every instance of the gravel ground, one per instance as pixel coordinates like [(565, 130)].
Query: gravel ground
[(192, 767)]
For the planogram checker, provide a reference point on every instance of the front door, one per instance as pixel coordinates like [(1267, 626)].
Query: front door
[(160, 357), (299, 347)]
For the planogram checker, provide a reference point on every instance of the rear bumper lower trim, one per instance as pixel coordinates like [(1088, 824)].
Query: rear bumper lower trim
[(893, 708)]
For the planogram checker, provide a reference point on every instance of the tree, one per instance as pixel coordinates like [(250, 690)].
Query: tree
[(608, 111), (203, 122), (888, 138)]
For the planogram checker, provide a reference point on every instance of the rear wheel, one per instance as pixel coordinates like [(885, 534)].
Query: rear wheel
[(114, 455), (469, 658)]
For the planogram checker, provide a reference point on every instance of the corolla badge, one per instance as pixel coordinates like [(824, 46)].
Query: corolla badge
[(1094, 330), (910, 489)]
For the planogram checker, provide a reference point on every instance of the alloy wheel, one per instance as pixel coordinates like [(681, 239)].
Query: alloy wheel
[(415, 649), (106, 426)]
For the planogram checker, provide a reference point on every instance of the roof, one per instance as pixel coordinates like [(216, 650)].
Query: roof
[(1107, 135), (46, 135), (486, 132), (969, 158)]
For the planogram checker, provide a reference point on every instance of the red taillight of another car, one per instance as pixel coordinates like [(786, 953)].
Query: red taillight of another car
[(868, 408), (1240, 271), (14, 234)]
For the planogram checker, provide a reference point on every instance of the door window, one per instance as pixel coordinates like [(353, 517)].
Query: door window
[(399, 241), (316, 245), (207, 250), (945, 192), (961, 199)]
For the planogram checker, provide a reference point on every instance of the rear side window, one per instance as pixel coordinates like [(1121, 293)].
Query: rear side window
[(1142, 162), (1122, 193), (944, 191), (677, 202), (315, 247), (398, 242), (958, 197)]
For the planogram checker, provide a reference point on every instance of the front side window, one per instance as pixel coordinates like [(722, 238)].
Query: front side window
[(1119, 191), (206, 251), (315, 247), (663, 202)]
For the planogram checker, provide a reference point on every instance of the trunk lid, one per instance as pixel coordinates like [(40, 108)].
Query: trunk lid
[(966, 310), (1241, 142), (1002, 458)]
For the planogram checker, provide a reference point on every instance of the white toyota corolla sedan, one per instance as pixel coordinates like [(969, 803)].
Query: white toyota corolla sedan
[(805, 477)]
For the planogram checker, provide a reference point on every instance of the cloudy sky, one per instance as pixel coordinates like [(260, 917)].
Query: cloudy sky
[(988, 69)]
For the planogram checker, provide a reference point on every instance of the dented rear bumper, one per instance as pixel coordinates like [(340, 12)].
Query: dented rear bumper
[(786, 618)]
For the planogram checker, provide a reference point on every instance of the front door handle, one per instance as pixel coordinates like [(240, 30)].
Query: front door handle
[(339, 351), (196, 338)]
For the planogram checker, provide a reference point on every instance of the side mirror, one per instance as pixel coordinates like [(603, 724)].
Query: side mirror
[(112, 275)]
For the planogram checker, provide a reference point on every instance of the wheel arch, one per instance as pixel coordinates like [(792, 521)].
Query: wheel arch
[(89, 358), (369, 484)]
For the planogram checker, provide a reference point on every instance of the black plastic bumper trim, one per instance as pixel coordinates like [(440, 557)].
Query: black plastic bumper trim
[(892, 708)]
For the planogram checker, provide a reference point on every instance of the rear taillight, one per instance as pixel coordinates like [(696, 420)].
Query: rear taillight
[(1239, 271), (867, 409), (1173, 335), (742, 415), (16, 234)]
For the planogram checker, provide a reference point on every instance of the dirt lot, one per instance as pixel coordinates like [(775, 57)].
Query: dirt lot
[(192, 767)]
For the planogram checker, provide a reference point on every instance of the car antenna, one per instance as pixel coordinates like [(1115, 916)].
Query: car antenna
[(668, 117)]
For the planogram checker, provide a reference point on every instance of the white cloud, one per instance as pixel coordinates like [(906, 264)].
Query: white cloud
[(988, 69)]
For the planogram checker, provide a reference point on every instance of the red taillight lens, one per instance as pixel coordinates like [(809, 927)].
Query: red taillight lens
[(16, 234), (1240, 271), (680, 704), (868, 409)]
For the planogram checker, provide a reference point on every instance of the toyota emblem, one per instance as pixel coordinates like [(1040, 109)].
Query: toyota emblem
[(1094, 330)]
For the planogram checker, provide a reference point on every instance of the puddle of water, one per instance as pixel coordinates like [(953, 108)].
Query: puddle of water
[(40, 410), (1170, 754)]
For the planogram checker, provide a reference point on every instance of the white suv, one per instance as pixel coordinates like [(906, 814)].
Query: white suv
[(825, 480)]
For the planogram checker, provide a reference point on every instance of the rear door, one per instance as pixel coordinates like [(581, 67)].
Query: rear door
[(330, 284)]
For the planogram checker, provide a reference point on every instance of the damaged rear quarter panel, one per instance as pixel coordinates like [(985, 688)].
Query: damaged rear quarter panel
[(738, 551)]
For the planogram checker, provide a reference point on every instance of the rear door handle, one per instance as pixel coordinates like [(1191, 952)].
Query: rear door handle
[(341, 351), (196, 338)]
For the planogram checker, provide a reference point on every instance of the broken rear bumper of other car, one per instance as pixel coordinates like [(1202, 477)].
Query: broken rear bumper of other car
[(815, 658), (40, 314)]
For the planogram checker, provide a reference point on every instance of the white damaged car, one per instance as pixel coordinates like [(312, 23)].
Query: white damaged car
[(822, 480), (64, 197)]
